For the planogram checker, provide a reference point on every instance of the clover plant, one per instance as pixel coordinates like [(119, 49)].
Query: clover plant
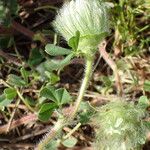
[(84, 24)]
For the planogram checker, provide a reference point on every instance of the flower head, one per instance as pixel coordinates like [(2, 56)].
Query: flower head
[(120, 127), (89, 17)]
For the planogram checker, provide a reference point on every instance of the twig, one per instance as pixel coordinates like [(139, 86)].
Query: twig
[(23, 107), (95, 66), (18, 27), (24, 120), (20, 145), (4, 83), (24, 101), (5, 31), (72, 131), (12, 116), (96, 95), (80, 148), (27, 136), (113, 66)]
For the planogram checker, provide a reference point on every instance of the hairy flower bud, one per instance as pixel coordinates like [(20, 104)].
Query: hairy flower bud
[(89, 17), (120, 127)]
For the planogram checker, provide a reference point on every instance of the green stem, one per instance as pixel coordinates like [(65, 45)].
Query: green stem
[(63, 120), (24, 101), (72, 131), (51, 134), (88, 72)]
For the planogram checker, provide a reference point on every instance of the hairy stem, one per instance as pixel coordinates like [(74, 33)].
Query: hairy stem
[(51, 134), (88, 72), (63, 121)]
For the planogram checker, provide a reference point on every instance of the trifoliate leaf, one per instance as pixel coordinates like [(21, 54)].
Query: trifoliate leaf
[(46, 111)]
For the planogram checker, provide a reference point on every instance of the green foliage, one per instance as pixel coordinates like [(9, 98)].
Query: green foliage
[(15, 80), (8, 9), (53, 50), (30, 101), (7, 97), (46, 111), (107, 82), (54, 64), (12, 5), (74, 41), (6, 42), (53, 78), (128, 31), (24, 74), (2, 10), (4, 101), (147, 86), (58, 96), (35, 57), (70, 142), (144, 102), (46, 72), (85, 112), (10, 93)]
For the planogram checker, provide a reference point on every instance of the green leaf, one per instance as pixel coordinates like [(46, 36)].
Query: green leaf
[(10, 93), (9, 9), (49, 93), (53, 77), (46, 111), (107, 82), (86, 112), (74, 41), (122, 65), (53, 50), (13, 7), (147, 86), (4, 102), (30, 101), (143, 101), (85, 116), (70, 142), (59, 96), (25, 74), (63, 96), (91, 41), (35, 57), (2, 11), (57, 64), (15, 80)]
